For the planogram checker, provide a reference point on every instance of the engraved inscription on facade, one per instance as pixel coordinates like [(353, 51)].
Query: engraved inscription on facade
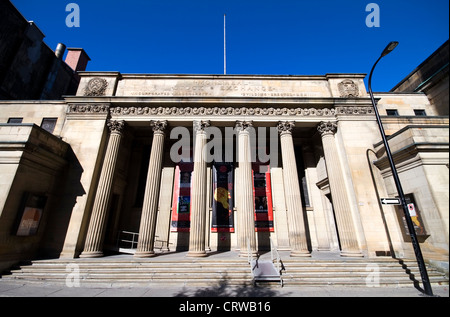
[(226, 88)]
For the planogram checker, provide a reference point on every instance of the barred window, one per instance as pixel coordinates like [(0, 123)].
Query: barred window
[(420, 112), (49, 124), (15, 120), (392, 112)]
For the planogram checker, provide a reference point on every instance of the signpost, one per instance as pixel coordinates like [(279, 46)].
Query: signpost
[(390, 201), (398, 185)]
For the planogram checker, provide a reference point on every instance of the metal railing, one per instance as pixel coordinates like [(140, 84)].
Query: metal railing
[(275, 256), (127, 240)]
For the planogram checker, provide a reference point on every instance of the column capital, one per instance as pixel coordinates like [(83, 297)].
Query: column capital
[(243, 125), (115, 126), (158, 126), (327, 127), (201, 125), (285, 127)]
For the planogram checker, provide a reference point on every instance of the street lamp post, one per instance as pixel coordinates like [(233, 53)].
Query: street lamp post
[(423, 270)]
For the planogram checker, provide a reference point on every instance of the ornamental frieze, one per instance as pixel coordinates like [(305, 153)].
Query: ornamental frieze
[(88, 108), (354, 110), (220, 111), (217, 111)]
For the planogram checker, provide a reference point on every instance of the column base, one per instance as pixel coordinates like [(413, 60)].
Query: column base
[(245, 254), (300, 254), (91, 254), (352, 254), (144, 254), (196, 254)]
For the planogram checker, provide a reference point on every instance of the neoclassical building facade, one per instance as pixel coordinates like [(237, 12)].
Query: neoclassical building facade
[(149, 164)]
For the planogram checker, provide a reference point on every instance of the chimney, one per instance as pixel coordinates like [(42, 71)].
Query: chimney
[(60, 49), (77, 59)]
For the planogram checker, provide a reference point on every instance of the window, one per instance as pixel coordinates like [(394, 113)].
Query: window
[(15, 120), (49, 124), (420, 112), (392, 112)]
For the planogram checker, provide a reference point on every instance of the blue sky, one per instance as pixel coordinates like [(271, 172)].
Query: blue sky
[(283, 37)]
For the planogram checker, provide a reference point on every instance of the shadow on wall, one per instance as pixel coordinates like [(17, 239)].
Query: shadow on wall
[(68, 188)]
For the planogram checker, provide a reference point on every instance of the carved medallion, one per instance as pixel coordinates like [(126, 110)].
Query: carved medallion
[(96, 87), (348, 88)]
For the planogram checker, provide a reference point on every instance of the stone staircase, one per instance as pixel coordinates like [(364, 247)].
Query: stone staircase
[(128, 271), (131, 272), (358, 272)]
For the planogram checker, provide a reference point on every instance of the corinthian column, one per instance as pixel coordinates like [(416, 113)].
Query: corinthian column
[(295, 212), (198, 193), (339, 194), (150, 206), (93, 246), (246, 214)]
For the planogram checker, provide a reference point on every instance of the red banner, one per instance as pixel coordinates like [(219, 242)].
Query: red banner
[(262, 191)]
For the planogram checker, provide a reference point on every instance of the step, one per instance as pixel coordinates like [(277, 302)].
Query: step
[(126, 271)]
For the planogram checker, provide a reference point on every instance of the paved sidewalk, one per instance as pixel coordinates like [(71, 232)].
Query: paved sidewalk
[(35, 289), (17, 288)]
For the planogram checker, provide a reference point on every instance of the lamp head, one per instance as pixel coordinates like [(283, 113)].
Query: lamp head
[(389, 48)]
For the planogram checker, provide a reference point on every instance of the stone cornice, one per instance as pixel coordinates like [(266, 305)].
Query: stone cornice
[(214, 76), (124, 101)]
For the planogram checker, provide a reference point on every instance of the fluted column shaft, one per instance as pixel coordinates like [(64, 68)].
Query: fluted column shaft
[(339, 194), (246, 214), (295, 212), (198, 193), (323, 241), (150, 205), (93, 246)]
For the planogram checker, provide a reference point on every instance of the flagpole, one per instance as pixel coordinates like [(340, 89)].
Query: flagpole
[(224, 46)]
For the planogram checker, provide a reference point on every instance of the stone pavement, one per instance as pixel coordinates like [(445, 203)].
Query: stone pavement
[(35, 289)]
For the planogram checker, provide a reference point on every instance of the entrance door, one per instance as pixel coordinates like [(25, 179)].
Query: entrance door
[(223, 200)]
